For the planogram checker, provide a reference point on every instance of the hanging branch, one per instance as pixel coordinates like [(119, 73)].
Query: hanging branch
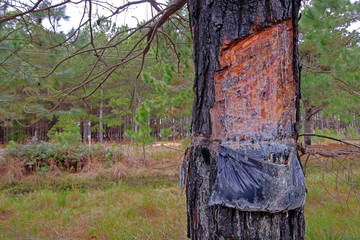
[(152, 26), (332, 138)]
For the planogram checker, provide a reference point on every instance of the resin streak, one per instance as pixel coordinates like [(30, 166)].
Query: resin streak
[(255, 89)]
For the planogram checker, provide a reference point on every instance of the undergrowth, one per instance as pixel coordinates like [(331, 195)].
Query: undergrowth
[(332, 209), (127, 201), (119, 210), (44, 156)]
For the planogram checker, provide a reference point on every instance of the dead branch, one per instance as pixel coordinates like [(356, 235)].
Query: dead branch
[(332, 138), (153, 26), (169, 166), (313, 151), (179, 150), (7, 18)]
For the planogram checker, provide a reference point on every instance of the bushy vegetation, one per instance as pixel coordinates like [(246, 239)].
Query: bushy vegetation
[(44, 156)]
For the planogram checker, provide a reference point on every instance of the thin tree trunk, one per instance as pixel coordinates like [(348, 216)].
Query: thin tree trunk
[(322, 122), (85, 130), (144, 154), (307, 122), (310, 112), (101, 129), (327, 122), (307, 129), (246, 95)]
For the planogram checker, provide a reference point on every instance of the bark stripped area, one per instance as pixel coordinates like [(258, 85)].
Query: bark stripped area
[(246, 92), (255, 88)]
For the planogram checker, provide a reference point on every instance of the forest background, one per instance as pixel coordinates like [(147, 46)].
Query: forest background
[(55, 82)]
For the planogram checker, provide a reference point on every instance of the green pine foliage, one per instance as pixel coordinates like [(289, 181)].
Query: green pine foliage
[(35, 81), (170, 80), (66, 131), (141, 136), (330, 56)]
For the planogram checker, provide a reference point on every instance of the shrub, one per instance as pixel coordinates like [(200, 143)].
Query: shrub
[(44, 156), (65, 131)]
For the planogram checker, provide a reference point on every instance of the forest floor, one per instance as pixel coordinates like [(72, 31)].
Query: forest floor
[(130, 201)]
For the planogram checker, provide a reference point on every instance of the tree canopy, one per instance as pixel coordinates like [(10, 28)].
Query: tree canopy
[(46, 72), (330, 55)]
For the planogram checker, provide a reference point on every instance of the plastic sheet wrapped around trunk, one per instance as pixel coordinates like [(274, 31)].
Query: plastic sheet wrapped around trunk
[(248, 180)]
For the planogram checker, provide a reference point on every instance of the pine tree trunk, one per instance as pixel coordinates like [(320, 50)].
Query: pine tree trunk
[(307, 122), (144, 155), (85, 130), (101, 128), (246, 89)]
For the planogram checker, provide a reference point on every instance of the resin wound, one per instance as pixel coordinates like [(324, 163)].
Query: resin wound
[(255, 89)]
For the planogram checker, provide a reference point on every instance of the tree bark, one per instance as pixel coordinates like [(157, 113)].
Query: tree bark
[(85, 130), (310, 112), (247, 89), (101, 109), (307, 122)]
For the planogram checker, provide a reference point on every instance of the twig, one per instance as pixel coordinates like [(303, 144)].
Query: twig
[(325, 166), (145, 233), (15, 233), (324, 153), (169, 166), (7, 18), (173, 149)]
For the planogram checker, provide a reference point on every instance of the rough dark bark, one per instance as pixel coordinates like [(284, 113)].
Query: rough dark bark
[(233, 105)]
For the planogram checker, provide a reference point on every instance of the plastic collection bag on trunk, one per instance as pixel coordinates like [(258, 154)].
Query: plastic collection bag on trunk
[(249, 180)]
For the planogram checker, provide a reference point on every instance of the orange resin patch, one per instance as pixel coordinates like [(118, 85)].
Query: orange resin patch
[(255, 89)]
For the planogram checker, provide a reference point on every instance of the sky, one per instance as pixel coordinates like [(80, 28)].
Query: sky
[(136, 13), (131, 17), (356, 25)]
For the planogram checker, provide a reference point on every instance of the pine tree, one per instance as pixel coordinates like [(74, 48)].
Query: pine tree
[(246, 106), (330, 59), (142, 135)]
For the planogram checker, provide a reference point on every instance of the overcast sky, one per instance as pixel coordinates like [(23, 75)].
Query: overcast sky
[(136, 13)]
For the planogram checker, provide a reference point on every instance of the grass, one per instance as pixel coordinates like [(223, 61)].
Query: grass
[(115, 210), (332, 210), (146, 203)]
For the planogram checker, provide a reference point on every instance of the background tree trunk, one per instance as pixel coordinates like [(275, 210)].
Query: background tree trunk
[(85, 130), (307, 122), (101, 110), (246, 93), (310, 112)]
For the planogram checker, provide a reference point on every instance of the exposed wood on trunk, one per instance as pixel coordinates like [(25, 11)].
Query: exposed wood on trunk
[(255, 88)]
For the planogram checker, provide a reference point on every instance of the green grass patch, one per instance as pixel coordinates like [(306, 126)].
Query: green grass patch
[(148, 204), (120, 210), (332, 209)]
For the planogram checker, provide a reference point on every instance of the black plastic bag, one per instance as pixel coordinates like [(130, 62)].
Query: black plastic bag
[(249, 180)]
